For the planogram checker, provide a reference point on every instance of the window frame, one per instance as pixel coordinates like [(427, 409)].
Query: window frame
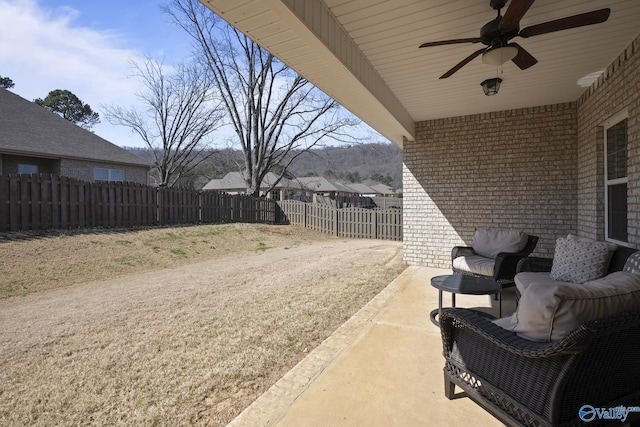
[(608, 124), (110, 173), (30, 166)]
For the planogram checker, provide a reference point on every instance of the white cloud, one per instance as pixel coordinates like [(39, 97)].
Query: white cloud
[(46, 49)]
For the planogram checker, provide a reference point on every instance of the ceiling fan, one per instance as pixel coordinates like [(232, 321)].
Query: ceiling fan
[(496, 34)]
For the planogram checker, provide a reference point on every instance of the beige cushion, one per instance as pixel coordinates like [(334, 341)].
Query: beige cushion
[(475, 264), (579, 260), (526, 278), (489, 242), (548, 313)]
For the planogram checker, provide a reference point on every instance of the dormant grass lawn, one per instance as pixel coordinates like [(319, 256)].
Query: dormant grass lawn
[(170, 326)]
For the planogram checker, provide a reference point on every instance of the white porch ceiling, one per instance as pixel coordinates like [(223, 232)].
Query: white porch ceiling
[(364, 53)]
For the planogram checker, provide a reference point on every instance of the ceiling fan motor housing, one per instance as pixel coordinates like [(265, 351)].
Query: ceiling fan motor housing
[(497, 4), (491, 33)]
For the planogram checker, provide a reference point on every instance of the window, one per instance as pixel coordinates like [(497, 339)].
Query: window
[(104, 174), (22, 168), (616, 178)]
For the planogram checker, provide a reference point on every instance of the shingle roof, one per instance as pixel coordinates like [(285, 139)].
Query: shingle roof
[(361, 188), (231, 181), (320, 184), (383, 189), (30, 130)]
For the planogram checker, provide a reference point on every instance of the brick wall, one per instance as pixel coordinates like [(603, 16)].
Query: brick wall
[(617, 89), (511, 169)]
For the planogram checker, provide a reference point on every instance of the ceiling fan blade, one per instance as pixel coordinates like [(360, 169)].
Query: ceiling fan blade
[(462, 63), (514, 13), (575, 21), (523, 59), (454, 41)]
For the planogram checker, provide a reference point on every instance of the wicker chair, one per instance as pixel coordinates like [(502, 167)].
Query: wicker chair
[(529, 383), (505, 263)]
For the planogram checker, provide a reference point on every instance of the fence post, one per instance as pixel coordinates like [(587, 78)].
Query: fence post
[(375, 224)]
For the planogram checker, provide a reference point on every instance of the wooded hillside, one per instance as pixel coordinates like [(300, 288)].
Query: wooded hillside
[(357, 163)]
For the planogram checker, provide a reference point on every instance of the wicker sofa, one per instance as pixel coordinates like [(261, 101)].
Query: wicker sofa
[(552, 383), (529, 383)]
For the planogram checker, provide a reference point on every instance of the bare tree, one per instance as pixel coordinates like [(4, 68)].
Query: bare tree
[(182, 109), (275, 113)]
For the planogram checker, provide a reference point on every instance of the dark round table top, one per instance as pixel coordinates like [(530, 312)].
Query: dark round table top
[(460, 284)]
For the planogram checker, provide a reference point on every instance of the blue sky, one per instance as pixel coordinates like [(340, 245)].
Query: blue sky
[(85, 46)]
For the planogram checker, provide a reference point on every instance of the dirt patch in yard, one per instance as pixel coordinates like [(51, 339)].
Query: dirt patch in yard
[(175, 326)]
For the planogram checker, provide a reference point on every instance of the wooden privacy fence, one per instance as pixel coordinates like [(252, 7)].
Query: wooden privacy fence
[(43, 202), (347, 222)]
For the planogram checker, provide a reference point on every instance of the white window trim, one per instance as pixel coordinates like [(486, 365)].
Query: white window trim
[(613, 120)]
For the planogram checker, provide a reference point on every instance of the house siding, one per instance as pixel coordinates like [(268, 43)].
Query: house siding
[(617, 89), (509, 169)]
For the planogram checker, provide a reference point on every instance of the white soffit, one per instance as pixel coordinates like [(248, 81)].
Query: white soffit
[(306, 36), (364, 53)]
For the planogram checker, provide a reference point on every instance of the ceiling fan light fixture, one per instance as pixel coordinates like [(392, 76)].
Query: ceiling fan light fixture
[(491, 86), (499, 55)]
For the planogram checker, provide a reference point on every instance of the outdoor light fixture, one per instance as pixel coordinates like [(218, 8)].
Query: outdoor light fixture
[(491, 86), (498, 55)]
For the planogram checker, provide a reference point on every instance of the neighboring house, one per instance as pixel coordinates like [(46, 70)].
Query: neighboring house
[(233, 183), (305, 188), (556, 151), (34, 140), (319, 186), (384, 190), (363, 190)]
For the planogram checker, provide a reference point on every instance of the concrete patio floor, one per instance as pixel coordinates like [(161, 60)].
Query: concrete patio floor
[(383, 367)]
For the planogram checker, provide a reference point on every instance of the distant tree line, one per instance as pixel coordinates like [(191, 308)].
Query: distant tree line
[(373, 162)]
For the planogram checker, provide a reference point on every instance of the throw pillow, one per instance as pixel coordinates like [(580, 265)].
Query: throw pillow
[(489, 242), (612, 246), (633, 263), (579, 261)]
